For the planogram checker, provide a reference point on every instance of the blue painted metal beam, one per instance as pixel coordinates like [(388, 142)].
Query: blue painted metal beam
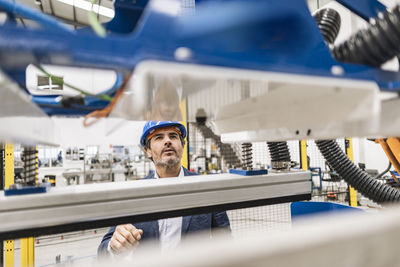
[(366, 9), (273, 35)]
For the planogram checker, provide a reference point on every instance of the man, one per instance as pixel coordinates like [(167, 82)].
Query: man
[(163, 142)]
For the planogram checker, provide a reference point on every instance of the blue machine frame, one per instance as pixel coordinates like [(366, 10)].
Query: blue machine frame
[(273, 35)]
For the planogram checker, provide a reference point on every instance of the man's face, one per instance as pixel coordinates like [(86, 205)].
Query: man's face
[(165, 148)]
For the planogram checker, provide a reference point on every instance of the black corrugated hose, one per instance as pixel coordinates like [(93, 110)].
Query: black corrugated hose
[(328, 21), (354, 176), (279, 151), (376, 44), (373, 46)]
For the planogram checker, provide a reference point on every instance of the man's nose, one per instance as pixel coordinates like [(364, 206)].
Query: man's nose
[(167, 140)]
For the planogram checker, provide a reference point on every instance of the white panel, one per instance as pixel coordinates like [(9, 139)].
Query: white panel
[(22, 121), (106, 131), (30, 3), (91, 80), (82, 15), (46, 5), (294, 107), (62, 10)]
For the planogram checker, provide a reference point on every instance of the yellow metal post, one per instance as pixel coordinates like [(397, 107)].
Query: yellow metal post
[(303, 155), (183, 107), (31, 243), (24, 252), (28, 243), (352, 191), (27, 252), (8, 180)]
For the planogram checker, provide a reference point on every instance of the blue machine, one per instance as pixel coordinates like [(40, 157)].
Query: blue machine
[(266, 35), (248, 172), (23, 190), (300, 209)]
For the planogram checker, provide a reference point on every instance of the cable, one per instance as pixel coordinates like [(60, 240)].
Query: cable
[(95, 23), (376, 44), (385, 171), (328, 21), (98, 114), (354, 176), (372, 46)]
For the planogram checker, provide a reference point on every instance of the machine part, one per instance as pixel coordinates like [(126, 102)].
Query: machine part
[(385, 171), (365, 9), (247, 162), (354, 176), (280, 155), (18, 189), (391, 150), (215, 43), (328, 21), (247, 156), (248, 172), (201, 116), (69, 101), (375, 45), (27, 124), (28, 183), (278, 165), (227, 152), (105, 204), (30, 159)]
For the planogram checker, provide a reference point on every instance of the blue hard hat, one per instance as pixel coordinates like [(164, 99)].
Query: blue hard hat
[(150, 126)]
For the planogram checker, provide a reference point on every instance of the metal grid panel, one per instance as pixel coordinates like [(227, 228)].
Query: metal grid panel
[(261, 158), (316, 158), (264, 218), (187, 7), (197, 150), (331, 191), (220, 93)]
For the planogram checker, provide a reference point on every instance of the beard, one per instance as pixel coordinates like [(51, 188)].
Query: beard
[(169, 162)]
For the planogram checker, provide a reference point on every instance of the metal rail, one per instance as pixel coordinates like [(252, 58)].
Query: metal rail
[(89, 206)]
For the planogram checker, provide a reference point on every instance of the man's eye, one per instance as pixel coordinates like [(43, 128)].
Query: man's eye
[(158, 137), (174, 136)]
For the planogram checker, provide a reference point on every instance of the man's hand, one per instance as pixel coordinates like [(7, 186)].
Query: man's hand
[(125, 238)]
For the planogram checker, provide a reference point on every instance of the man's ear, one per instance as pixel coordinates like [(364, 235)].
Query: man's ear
[(148, 152)]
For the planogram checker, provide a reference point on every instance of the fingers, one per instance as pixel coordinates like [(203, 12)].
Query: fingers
[(137, 233), (125, 238), (127, 235)]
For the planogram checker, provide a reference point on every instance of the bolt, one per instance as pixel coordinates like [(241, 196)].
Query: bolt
[(337, 70), (183, 53)]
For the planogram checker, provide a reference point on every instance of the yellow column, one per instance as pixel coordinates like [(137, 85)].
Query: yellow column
[(303, 155), (28, 243), (184, 161), (352, 191), (27, 252), (8, 180)]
